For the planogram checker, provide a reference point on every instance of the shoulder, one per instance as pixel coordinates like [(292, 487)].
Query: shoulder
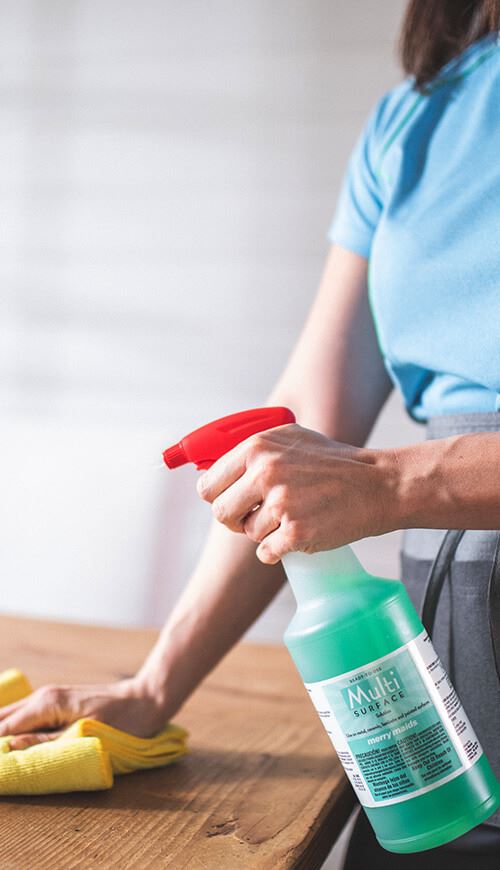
[(390, 115), (363, 193), (397, 108)]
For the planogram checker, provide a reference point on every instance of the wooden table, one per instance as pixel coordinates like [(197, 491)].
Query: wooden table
[(261, 787)]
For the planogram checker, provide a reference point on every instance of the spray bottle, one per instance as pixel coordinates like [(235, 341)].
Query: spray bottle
[(371, 671)]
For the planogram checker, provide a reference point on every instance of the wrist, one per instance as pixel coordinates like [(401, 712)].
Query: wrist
[(390, 503), (150, 686), (419, 491), (166, 676)]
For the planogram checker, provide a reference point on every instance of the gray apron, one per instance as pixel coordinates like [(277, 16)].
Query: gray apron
[(453, 578)]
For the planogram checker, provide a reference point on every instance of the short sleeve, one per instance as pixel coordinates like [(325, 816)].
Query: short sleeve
[(360, 201)]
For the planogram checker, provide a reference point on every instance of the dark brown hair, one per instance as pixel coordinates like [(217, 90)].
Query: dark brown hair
[(436, 31)]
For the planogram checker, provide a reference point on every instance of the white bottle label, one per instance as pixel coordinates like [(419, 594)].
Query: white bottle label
[(397, 724)]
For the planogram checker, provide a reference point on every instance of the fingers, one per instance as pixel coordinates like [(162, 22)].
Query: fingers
[(41, 710), (8, 709), (260, 523), (24, 741), (289, 537), (25, 721), (226, 471), (20, 722), (232, 506), (272, 548)]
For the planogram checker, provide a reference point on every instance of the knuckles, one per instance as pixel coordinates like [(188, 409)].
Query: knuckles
[(295, 535), (219, 511), (256, 444), (279, 499), (49, 696), (292, 537), (203, 487), (270, 468), (223, 515)]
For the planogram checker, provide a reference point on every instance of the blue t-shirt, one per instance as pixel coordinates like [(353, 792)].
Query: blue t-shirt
[(421, 200)]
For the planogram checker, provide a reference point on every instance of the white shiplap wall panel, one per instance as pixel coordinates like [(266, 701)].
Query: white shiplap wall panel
[(167, 175)]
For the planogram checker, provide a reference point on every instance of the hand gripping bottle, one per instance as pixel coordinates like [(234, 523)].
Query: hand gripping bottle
[(369, 666)]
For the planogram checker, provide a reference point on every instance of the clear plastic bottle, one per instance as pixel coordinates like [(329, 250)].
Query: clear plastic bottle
[(393, 716)]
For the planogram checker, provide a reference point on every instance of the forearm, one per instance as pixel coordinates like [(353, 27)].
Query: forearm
[(336, 384), (227, 592), (450, 483), (335, 379)]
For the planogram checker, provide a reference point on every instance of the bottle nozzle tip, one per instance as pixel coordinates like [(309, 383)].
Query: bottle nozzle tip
[(174, 456)]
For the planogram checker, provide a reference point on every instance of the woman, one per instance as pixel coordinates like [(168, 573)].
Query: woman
[(421, 204)]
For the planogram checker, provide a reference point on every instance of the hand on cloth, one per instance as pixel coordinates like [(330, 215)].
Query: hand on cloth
[(290, 488), (44, 714), (82, 757)]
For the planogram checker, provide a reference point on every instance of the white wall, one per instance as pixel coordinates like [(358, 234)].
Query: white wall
[(167, 175)]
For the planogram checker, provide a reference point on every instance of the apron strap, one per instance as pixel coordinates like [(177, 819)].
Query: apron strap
[(437, 576), (435, 582), (494, 606)]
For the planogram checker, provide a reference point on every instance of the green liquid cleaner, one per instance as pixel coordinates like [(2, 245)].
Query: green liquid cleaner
[(394, 718)]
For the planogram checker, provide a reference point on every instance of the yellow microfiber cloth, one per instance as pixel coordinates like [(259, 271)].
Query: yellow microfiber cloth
[(84, 757), (13, 686)]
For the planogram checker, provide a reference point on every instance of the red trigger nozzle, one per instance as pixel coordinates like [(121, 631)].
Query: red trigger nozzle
[(205, 445)]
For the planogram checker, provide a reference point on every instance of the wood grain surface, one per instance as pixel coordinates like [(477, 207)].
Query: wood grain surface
[(261, 787)]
